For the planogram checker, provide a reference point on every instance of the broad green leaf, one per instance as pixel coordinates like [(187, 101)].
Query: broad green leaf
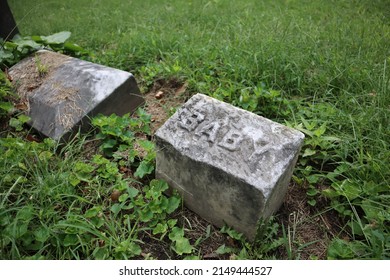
[(83, 167), (321, 130), (123, 197), (36, 257), (28, 239), (17, 231), (191, 258), (312, 202), (350, 189), (73, 180), (146, 144), (109, 143), (176, 233), (133, 192), (4, 55), (24, 118), (159, 185), (173, 204), (183, 246), (309, 126), (25, 214), (223, 249), (37, 38), (308, 152), (160, 228), (24, 42), (129, 248), (143, 114), (73, 47), (57, 38), (15, 123), (313, 179), (70, 239), (134, 249), (5, 219), (312, 192), (298, 180), (145, 215), (45, 155), (6, 106), (341, 249), (172, 223), (116, 208), (101, 253), (10, 45), (97, 221), (372, 188), (355, 228), (42, 234), (370, 209), (330, 193), (143, 169), (93, 212), (232, 233)]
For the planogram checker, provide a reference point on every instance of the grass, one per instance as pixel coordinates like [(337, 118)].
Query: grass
[(325, 61)]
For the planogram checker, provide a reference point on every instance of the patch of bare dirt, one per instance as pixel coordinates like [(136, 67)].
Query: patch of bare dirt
[(162, 100), (308, 229)]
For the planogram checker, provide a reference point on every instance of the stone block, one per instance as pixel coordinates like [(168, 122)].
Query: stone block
[(61, 93), (230, 166)]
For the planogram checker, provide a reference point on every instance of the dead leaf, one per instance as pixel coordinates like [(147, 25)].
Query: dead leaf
[(159, 94)]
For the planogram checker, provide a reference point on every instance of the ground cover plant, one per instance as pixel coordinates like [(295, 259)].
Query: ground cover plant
[(318, 66)]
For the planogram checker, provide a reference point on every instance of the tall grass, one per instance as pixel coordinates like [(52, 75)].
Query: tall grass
[(302, 47), (329, 60)]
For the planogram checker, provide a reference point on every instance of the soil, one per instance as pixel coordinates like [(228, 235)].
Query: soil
[(163, 98), (309, 229)]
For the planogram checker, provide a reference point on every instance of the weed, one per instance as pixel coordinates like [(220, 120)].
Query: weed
[(55, 207), (13, 51), (42, 69), (118, 135), (6, 106)]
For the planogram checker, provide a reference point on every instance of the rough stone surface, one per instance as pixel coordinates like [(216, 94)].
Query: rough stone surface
[(231, 166), (61, 93)]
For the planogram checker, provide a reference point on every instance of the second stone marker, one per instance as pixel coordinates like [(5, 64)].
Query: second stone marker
[(62, 93), (231, 166)]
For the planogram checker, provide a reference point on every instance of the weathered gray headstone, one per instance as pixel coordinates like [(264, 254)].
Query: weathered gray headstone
[(8, 27), (231, 166), (61, 93)]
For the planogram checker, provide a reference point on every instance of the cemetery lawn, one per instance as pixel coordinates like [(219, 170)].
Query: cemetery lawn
[(319, 66)]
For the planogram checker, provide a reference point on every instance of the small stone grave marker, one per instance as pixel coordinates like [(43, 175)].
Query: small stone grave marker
[(231, 166), (61, 93)]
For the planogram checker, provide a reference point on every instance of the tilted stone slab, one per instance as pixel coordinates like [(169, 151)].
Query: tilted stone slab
[(61, 93), (231, 166)]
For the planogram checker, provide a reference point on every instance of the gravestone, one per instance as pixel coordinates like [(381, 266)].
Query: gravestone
[(230, 166), (8, 28), (61, 93)]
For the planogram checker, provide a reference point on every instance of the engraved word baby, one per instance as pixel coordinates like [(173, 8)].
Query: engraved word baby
[(225, 133)]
